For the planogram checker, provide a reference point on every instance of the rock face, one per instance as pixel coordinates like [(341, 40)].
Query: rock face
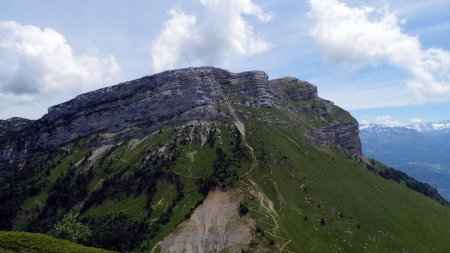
[(13, 125), (215, 226), (345, 134), (295, 89), (152, 102)]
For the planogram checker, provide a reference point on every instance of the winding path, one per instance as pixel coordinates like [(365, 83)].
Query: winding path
[(264, 204)]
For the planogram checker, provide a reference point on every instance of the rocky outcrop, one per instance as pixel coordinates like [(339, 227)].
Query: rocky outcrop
[(13, 125), (151, 103), (345, 134), (294, 89), (342, 131), (215, 226)]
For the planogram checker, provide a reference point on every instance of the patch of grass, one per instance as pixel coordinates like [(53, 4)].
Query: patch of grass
[(40, 243), (340, 114), (133, 206), (63, 164), (35, 201), (165, 194)]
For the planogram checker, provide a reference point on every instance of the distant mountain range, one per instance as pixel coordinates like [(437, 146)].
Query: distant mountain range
[(421, 150), (422, 127)]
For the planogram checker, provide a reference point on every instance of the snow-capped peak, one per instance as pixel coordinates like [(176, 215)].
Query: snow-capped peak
[(416, 126), (364, 126), (422, 127), (441, 126)]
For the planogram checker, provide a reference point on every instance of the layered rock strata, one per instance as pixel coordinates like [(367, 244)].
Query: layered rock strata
[(152, 102)]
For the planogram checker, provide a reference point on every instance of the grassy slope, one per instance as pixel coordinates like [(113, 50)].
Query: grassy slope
[(39, 243), (391, 217), (115, 158)]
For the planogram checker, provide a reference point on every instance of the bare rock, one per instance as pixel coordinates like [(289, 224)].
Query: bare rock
[(153, 102), (13, 125), (295, 89), (215, 226), (345, 134)]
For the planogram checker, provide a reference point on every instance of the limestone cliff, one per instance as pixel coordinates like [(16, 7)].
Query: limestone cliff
[(333, 124), (152, 102), (13, 125)]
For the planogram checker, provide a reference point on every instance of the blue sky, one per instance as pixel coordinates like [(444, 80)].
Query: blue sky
[(375, 58), (404, 115)]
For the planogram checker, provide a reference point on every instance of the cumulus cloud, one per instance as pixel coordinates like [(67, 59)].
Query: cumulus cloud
[(387, 120), (366, 35), (222, 35), (36, 63)]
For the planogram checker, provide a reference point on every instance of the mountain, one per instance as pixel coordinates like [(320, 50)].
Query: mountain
[(428, 127), (204, 160), (420, 150), (153, 102)]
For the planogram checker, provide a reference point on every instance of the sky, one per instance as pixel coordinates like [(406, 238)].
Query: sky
[(386, 61)]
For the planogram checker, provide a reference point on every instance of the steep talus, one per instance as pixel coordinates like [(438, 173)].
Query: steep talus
[(215, 226)]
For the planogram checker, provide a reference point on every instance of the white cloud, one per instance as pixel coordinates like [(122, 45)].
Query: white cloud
[(416, 121), (387, 120), (223, 35), (12, 99), (38, 63), (365, 35)]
